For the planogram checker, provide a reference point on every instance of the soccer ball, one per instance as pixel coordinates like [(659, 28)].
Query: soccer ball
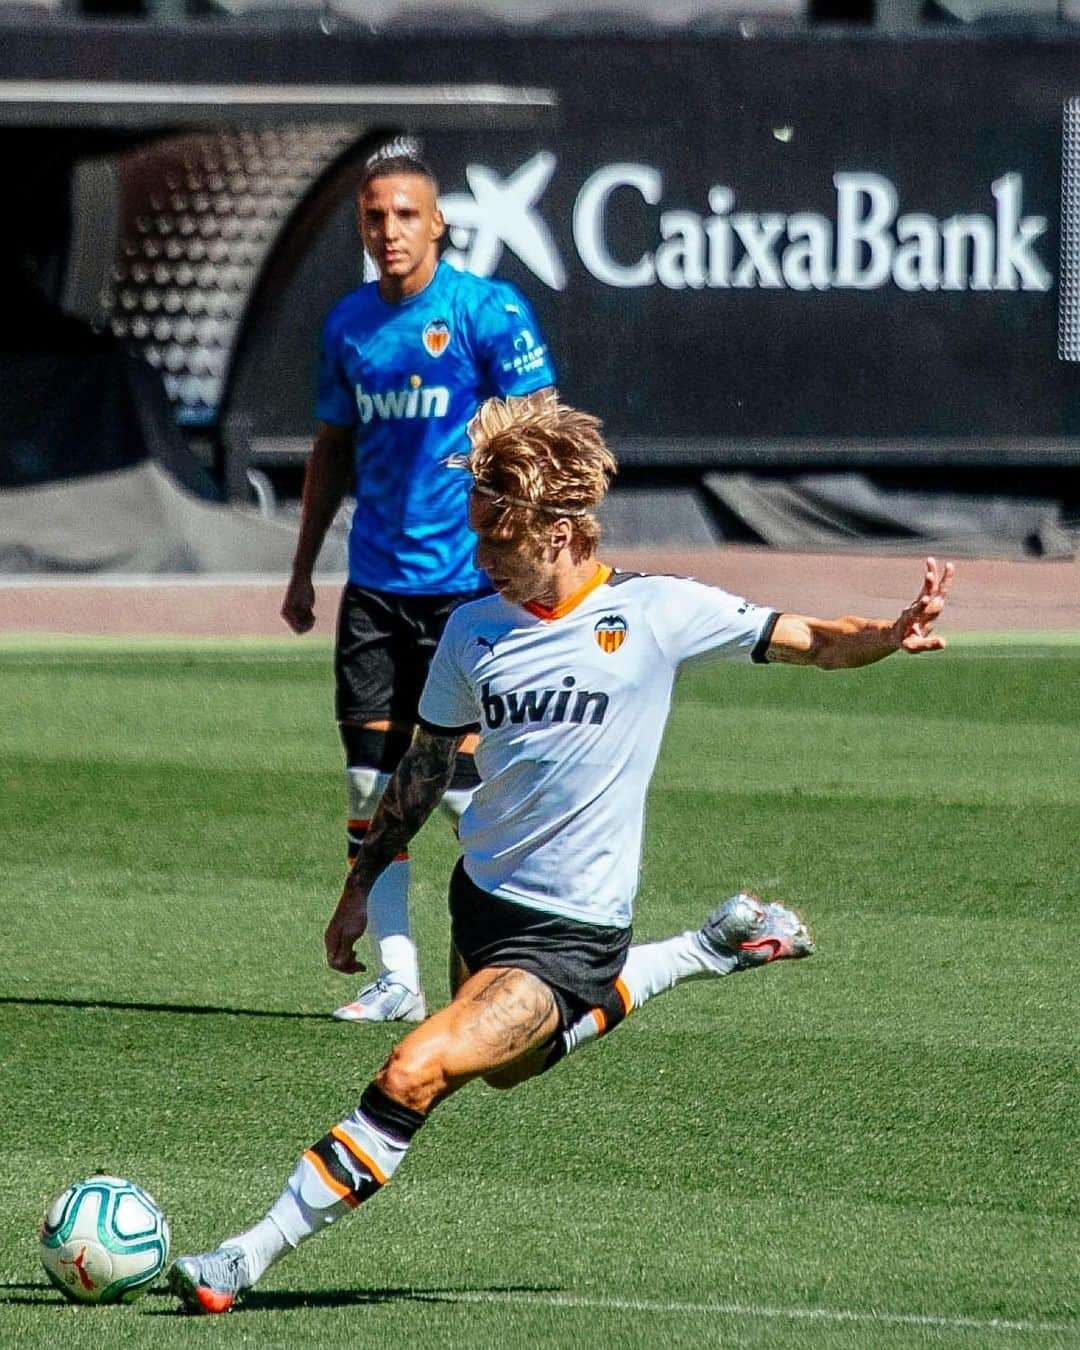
[(104, 1241)]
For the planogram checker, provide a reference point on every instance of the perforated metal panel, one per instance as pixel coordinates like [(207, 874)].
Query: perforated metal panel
[(1069, 282), (198, 217)]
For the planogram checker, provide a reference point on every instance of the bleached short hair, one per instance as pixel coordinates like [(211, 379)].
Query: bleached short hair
[(536, 460)]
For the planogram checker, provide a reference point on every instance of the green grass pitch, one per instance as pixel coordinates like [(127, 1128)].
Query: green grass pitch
[(875, 1148)]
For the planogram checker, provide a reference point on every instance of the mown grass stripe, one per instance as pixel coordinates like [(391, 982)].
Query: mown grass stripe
[(705, 1309), (58, 644), (204, 644)]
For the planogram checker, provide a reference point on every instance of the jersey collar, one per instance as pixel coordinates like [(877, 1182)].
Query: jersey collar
[(572, 601)]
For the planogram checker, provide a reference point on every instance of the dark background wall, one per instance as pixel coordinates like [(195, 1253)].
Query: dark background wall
[(774, 123), (716, 358)]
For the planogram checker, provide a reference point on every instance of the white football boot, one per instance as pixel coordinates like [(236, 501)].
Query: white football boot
[(384, 1001)]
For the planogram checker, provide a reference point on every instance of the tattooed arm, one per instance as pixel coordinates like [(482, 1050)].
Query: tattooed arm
[(411, 795)]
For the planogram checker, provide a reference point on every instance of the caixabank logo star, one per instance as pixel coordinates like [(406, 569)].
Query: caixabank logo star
[(498, 213)]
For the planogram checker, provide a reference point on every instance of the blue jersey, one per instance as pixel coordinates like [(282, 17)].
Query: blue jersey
[(409, 377)]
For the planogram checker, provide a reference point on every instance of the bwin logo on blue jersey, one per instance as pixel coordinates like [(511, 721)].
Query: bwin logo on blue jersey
[(544, 705), (401, 404)]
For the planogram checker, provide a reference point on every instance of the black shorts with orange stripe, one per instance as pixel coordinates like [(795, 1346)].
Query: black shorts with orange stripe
[(579, 962)]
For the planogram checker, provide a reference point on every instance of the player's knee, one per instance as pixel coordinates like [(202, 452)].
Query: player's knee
[(414, 1076), (519, 1072), (370, 748), (365, 788), (466, 777), (370, 760)]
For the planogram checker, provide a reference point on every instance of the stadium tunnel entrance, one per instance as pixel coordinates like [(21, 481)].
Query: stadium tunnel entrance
[(153, 229)]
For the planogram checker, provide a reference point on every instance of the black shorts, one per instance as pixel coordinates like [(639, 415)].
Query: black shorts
[(385, 643), (579, 962)]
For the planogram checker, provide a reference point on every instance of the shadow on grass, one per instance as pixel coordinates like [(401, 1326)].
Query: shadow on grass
[(257, 1301), (189, 1009), (22, 1292), (42, 1294)]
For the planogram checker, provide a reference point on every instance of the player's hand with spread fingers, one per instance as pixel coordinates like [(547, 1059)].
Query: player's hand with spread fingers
[(348, 923), (849, 641), (914, 628)]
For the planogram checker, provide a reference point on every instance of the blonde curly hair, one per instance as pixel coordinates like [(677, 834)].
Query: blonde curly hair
[(536, 460)]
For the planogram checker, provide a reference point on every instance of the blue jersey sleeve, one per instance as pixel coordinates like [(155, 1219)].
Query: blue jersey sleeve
[(335, 401), (511, 349)]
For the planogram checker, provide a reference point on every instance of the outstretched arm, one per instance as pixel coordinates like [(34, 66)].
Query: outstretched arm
[(840, 644), (411, 795)]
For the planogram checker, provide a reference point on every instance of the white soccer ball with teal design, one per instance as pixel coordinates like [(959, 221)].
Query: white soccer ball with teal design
[(104, 1241)]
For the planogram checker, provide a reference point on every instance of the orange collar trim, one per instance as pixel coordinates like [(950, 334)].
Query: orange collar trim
[(572, 601)]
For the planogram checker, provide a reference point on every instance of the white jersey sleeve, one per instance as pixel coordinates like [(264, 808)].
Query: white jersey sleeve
[(691, 619), (448, 701)]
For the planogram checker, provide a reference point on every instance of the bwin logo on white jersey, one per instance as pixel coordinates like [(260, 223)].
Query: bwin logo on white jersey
[(500, 213), (400, 404), (544, 705)]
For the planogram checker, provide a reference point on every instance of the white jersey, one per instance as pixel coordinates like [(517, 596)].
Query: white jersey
[(570, 705)]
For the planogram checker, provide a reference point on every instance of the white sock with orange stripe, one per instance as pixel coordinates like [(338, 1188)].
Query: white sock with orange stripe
[(345, 1167), (650, 969), (653, 967)]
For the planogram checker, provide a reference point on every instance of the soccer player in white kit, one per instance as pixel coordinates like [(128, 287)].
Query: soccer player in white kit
[(566, 673)]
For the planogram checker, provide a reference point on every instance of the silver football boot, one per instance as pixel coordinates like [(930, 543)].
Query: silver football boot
[(384, 1001), (208, 1283), (755, 934)]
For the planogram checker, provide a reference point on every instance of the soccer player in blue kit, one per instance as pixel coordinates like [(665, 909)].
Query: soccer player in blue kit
[(404, 364)]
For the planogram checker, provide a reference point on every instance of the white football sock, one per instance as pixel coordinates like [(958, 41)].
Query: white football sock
[(262, 1245), (332, 1177), (652, 967), (388, 903), (388, 924)]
